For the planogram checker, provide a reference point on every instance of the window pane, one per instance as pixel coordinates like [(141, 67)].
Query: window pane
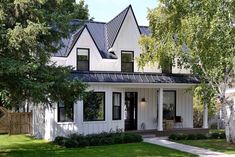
[(116, 113), (116, 99), (61, 115), (127, 57), (127, 64), (94, 106), (83, 59), (83, 66), (127, 67), (65, 112), (61, 104), (169, 105), (116, 106), (83, 52)]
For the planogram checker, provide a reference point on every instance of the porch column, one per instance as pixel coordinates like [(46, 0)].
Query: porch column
[(205, 116), (160, 110)]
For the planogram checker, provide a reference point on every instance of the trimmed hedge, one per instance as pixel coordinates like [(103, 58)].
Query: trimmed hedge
[(75, 140), (213, 135)]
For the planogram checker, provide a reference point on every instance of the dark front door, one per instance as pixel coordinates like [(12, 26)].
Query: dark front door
[(130, 111)]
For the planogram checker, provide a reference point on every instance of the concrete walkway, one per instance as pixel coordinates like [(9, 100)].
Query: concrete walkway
[(162, 141)]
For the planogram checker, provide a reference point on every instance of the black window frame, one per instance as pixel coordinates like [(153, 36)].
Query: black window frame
[(58, 112), (132, 52), (174, 91), (120, 107), (88, 50), (84, 119)]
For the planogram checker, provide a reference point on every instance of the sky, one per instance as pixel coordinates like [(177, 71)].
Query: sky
[(105, 10)]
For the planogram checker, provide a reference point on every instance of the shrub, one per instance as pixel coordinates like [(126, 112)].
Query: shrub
[(201, 136), (173, 137), (106, 141), (70, 143), (222, 135), (118, 138), (217, 135), (59, 140), (178, 137), (214, 135), (75, 140), (191, 137), (187, 137)]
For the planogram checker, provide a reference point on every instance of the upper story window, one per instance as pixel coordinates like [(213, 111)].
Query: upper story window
[(83, 59), (127, 61)]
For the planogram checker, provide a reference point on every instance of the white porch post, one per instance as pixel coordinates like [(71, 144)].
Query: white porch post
[(160, 110), (205, 116)]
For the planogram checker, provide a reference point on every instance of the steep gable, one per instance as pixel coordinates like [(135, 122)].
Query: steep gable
[(103, 34), (114, 26)]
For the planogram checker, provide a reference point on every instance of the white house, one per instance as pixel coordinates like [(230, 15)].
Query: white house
[(104, 56)]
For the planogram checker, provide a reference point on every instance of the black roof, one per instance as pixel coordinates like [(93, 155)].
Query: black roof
[(103, 35), (120, 77)]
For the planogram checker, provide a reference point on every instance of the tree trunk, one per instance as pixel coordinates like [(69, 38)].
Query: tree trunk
[(229, 120), (1, 103)]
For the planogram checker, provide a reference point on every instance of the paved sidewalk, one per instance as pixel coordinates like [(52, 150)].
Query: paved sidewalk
[(162, 141)]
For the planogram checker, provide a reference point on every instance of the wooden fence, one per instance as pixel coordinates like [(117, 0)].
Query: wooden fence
[(4, 120), (16, 122)]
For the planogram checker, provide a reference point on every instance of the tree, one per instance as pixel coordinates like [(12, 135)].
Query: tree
[(202, 34), (203, 95), (31, 31)]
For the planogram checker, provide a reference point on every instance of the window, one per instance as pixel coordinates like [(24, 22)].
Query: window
[(82, 59), (127, 59), (65, 112), (169, 105), (117, 103), (94, 106)]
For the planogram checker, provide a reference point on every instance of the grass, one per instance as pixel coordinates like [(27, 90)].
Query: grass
[(219, 145), (20, 145)]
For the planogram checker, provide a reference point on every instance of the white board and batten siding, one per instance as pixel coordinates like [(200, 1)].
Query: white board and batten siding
[(147, 113), (127, 40)]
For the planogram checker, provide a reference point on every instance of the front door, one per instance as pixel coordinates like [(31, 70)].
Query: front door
[(130, 108)]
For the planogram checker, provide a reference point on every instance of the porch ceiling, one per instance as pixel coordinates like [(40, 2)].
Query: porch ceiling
[(139, 78)]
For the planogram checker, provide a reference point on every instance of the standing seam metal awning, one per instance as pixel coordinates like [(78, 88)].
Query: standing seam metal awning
[(119, 77)]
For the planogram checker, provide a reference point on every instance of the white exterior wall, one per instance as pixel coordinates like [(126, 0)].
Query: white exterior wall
[(45, 122), (127, 40), (39, 117), (147, 112), (184, 107)]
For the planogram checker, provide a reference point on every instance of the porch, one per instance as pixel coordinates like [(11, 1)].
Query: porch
[(141, 102)]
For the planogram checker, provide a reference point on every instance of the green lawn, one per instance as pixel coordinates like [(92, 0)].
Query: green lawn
[(22, 146), (219, 145)]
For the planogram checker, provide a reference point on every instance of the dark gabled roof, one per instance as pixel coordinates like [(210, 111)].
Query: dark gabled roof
[(119, 77), (145, 30), (103, 34), (97, 31), (68, 43), (114, 26)]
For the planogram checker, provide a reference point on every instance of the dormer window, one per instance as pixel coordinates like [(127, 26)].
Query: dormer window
[(83, 59), (127, 59)]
